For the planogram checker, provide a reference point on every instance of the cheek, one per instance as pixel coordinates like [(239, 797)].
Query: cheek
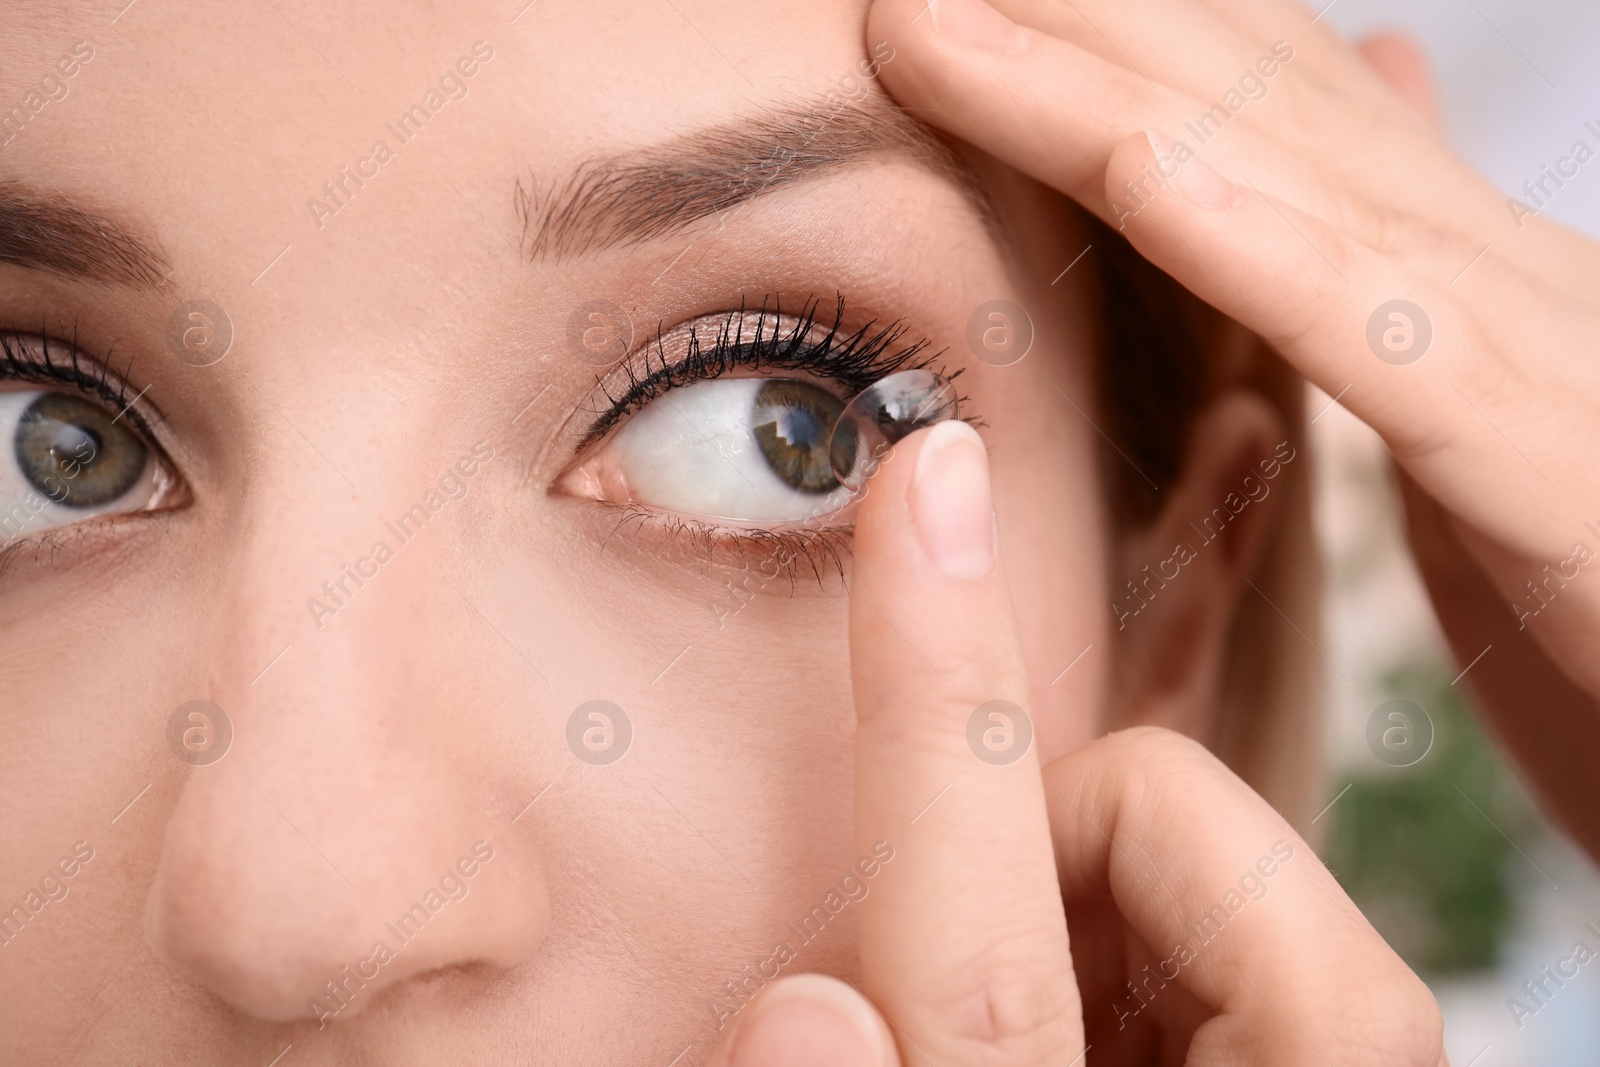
[(740, 760)]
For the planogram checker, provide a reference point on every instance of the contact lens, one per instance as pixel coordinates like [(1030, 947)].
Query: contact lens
[(882, 415)]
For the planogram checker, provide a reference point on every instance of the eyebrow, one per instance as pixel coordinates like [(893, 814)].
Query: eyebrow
[(629, 199), (47, 231)]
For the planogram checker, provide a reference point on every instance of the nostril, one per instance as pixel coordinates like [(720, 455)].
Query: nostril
[(341, 994), (455, 982), (388, 961)]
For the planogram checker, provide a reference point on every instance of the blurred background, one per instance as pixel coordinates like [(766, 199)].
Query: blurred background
[(1447, 857)]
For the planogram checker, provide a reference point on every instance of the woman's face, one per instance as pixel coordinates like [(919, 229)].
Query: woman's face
[(401, 533)]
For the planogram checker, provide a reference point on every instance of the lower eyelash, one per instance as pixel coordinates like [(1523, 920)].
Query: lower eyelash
[(785, 554), (64, 539)]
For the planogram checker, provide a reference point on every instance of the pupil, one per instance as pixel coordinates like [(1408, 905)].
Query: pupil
[(793, 425), (799, 429)]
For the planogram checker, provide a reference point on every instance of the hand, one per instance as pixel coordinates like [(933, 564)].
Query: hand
[(1319, 196), (963, 934)]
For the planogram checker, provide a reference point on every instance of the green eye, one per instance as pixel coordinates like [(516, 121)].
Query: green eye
[(793, 424), (76, 453)]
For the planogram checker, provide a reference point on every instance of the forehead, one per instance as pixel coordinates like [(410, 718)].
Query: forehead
[(188, 109), (341, 173)]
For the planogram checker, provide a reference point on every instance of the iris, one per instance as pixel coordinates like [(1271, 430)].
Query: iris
[(63, 438), (793, 424)]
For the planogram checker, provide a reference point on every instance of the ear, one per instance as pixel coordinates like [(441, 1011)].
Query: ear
[(1177, 582)]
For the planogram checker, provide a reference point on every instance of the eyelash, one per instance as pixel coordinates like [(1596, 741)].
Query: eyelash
[(20, 362), (854, 360)]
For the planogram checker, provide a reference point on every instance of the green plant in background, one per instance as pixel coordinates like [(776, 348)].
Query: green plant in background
[(1427, 869)]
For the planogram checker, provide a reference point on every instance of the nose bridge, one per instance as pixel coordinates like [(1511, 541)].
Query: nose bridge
[(343, 838)]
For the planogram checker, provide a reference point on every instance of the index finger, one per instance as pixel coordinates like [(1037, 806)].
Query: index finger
[(963, 941)]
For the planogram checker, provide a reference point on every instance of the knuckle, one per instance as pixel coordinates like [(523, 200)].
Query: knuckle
[(1321, 301), (1377, 227), (1326, 119), (1160, 747), (1403, 236), (1004, 1013), (1398, 1021)]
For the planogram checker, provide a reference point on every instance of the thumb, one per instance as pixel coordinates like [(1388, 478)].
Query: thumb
[(807, 1020)]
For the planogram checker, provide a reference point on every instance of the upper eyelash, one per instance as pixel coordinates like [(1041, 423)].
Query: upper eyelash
[(19, 362), (855, 360)]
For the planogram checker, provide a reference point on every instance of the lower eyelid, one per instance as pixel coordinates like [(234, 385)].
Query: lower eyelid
[(104, 540), (781, 556)]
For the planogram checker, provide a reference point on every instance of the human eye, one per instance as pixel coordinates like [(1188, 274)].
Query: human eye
[(730, 421), (74, 445), (744, 449)]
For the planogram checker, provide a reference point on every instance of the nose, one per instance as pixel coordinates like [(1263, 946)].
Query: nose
[(345, 843)]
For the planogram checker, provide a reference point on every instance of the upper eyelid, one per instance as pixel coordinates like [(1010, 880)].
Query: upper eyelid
[(855, 357), (98, 380)]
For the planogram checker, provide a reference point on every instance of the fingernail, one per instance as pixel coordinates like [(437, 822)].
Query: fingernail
[(809, 1019), (1195, 180), (974, 24), (950, 501)]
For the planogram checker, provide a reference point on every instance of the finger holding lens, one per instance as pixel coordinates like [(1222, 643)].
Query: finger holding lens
[(963, 939)]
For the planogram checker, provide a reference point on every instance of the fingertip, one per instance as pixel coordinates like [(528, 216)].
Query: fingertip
[(969, 24), (1403, 65), (927, 48), (902, 33), (932, 627), (952, 505), (978, 25), (900, 24), (932, 492), (808, 1020)]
